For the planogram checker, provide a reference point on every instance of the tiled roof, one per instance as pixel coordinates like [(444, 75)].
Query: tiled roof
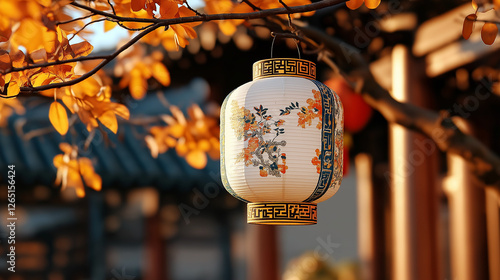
[(123, 164)]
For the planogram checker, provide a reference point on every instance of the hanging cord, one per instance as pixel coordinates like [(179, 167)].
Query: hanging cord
[(286, 35)]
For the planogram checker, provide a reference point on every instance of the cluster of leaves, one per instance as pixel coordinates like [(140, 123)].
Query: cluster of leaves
[(355, 4), (489, 31), (135, 68), (193, 137), (7, 108), (71, 169), (228, 27)]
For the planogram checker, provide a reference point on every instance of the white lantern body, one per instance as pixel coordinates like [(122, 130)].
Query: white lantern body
[(282, 142)]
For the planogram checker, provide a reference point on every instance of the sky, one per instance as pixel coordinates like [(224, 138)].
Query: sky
[(108, 41)]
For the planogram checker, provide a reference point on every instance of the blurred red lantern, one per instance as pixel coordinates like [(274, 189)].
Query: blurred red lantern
[(356, 112)]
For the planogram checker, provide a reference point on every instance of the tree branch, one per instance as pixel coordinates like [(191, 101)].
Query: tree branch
[(484, 163), (228, 16), (106, 60)]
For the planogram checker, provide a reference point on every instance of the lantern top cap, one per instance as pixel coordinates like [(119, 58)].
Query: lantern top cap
[(284, 67)]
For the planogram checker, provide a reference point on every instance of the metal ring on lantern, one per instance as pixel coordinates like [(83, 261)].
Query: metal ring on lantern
[(274, 35)]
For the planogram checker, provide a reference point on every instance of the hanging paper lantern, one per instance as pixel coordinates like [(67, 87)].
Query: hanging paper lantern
[(282, 142)]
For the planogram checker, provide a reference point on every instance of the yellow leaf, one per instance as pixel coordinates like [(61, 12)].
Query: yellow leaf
[(108, 119), (372, 4), (354, 4), (50, 41), (160, 73), (58, 117), (138, 85), (82, 49), (108, 25), (468, 25), (13, 89), (66, 148), (227, 27), (489, 33), (197, 159), (122, 111), (89, 87), (92, 180)]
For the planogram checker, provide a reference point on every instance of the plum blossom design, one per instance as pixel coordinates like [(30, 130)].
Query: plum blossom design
[(265, 153)]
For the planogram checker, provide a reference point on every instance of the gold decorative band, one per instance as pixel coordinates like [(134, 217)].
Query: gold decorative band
[(279, 67), (282, 213)]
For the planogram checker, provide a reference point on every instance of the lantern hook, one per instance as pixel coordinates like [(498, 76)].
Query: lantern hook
[(286, 35)]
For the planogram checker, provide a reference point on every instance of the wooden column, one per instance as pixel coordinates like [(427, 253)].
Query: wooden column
[(414, 199), (263, 262), (403, 216), (155, 249), (493, 228), (467, 220), (370, 246)]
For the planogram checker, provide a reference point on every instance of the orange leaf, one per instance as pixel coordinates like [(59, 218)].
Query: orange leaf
[(121, 110), (137, 5), (372, 4), (354, 4), (58, 117), (92, 180), (489, 33), (160, 73), (138, 85), (168, 9), (468, 25), (108, 25), (5, 63), (197, 159), (66, 148), (82, 49), (108, 119)]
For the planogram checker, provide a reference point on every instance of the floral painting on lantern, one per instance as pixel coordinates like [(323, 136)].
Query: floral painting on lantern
[(252, 124)]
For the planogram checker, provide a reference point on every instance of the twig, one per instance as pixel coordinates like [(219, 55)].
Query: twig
[(85, 26), (74, 19), (255, 8), (193, 10)]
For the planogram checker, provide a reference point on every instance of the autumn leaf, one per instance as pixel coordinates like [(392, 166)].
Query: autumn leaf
[(58, 117), (160, 73), (108, 119), (468, 25), (489, 33), (372, 4), (92, 180), (82, 49), (354, 4), (137, 5), (138, 85), (197, 159), (5, 62)]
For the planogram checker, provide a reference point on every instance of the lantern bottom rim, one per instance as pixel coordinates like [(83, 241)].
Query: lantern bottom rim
[(282, 213)]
